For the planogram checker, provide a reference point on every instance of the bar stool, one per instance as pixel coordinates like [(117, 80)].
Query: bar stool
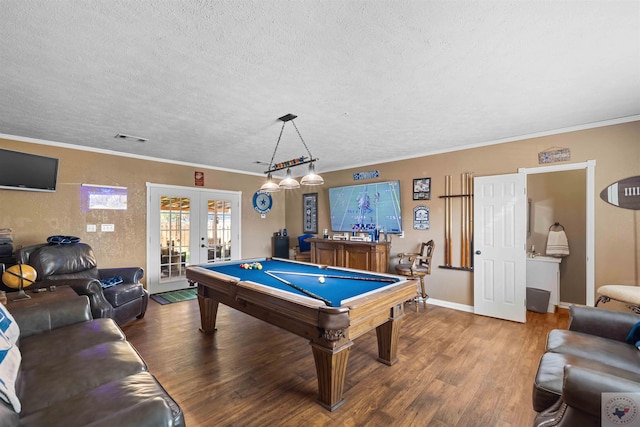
[(417, 265)]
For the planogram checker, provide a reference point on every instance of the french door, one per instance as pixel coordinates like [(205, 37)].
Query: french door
[(187, 226)]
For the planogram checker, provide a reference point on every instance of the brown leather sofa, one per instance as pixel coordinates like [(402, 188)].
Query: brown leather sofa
[(590, 358), (79, 371), (75, 265)]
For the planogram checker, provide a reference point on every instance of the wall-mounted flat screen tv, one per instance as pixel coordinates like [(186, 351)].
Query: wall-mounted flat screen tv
[(24, 171), (365, 207)]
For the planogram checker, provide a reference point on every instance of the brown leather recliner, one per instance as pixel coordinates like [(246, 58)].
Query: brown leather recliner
[(75, 265), (592, 357)]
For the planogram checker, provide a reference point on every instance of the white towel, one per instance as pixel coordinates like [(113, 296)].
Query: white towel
[(557, 244)]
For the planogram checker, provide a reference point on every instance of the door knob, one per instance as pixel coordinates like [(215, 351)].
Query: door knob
[(478, 252), (202, 246)]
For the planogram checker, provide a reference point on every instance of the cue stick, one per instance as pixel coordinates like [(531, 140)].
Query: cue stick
[(462, 225), (471, 208), (466, 220), (447, 225), (335, 276), (303, 290), (449, 241), (463, 222), (446, 219)]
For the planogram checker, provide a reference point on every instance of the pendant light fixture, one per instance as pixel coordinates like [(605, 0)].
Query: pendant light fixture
[(289, 183), (270, 186), (312, 178)]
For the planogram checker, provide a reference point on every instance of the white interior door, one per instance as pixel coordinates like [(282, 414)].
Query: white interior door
[(187, 226), (499, 242)]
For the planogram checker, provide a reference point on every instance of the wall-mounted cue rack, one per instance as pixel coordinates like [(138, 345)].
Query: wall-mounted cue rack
[(466, 222)]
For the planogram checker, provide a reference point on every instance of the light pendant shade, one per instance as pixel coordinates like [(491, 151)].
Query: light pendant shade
[(270, 186), (288, 183), (312, 178)]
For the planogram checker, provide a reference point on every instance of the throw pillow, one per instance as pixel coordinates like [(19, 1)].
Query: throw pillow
[(10, 359), (8, 326), (62, 240), (634, 335), (112, 281)]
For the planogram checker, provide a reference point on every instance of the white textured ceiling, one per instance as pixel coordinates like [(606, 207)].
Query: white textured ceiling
[(370, 80)]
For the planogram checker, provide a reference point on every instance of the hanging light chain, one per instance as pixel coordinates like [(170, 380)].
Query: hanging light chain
[(278, 143), (311, 159), (289, 183)]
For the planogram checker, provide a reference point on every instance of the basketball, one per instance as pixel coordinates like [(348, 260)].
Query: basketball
[(17, 274)]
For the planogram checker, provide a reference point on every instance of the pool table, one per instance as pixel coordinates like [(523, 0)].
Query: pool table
[(330, 311)]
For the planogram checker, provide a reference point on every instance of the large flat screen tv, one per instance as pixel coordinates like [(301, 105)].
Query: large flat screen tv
[(366, 207), (24, 171)]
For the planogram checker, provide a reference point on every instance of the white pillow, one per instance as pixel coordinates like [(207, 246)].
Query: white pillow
[(10, 359), (8, 325)]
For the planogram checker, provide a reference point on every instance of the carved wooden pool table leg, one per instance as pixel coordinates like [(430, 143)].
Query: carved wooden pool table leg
[(208, 313), (388, 334), (331, 368)]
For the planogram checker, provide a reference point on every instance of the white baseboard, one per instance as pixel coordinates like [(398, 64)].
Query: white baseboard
[(448, 304), (170, 286)]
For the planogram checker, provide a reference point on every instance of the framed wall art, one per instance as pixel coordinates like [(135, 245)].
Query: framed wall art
[(310, 213), (422, 189)]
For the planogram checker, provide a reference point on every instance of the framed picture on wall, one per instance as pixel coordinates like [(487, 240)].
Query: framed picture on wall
[(422, 189), (310, 213)]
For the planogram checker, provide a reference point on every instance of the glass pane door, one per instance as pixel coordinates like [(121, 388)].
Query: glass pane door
[(175, 226), (186, 227), (218, 230)]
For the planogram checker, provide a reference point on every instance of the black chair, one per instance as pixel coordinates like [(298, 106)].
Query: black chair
[(75, 265), (302, 251)]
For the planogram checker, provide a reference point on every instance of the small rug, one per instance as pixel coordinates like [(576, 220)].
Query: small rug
[(175, 296)]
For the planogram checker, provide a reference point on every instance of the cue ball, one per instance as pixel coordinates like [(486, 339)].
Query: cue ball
[(321, 279)]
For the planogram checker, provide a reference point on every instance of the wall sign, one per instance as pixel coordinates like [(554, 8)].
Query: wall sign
[(310, 213), (624, 193), (421, 218), (198, 179), (553, 155), (366, 175), (262, 202), (103, 197)]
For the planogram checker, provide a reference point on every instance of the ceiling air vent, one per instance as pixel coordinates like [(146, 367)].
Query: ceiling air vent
[(137, 138)]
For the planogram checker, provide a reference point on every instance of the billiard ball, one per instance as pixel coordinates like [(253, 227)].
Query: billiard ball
[(321, 279)]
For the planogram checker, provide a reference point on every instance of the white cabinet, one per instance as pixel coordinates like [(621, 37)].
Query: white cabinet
[(543, 272)]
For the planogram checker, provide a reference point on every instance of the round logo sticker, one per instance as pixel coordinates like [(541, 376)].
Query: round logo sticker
[(621, 410)]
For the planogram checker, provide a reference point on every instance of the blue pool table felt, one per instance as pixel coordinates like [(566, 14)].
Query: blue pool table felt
[(334, 290)]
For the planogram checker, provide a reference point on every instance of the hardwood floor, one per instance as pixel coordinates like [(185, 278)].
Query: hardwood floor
[(455, 369)]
